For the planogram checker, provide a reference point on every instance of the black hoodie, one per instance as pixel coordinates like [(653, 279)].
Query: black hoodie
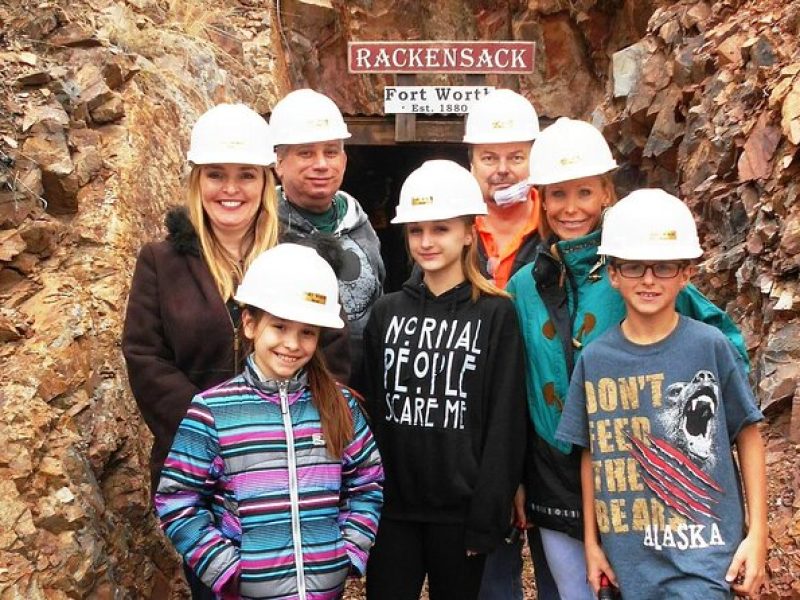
[(444, 383)]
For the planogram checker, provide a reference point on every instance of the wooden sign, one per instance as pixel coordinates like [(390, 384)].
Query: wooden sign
[(442, 99), (440, 57)]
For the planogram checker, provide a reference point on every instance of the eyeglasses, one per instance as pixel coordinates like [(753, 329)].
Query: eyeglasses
[(661, 270)]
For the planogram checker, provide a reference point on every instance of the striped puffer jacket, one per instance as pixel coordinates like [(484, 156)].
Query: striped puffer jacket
[(249, 491)]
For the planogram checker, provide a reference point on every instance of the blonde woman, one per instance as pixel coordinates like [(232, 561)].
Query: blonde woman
[(181, 327)]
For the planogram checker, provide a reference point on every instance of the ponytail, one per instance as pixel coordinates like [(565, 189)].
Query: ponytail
[(334, 413), (472, 271)]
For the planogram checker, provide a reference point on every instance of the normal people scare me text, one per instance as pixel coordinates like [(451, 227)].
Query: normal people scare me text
[(425, 367)]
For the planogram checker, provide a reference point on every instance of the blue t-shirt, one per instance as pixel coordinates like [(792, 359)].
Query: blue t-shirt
[(661, 419)]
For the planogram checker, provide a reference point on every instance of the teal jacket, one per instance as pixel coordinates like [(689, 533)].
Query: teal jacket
[(572, 304), (595, 306)]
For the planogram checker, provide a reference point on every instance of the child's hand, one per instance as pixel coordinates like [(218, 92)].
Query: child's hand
[(747, 573), (596, 565), (520, 517)]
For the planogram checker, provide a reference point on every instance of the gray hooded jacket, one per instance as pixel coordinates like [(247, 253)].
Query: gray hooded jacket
[(362, 275)]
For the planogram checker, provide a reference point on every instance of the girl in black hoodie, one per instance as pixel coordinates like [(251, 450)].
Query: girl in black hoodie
[(444, 383)]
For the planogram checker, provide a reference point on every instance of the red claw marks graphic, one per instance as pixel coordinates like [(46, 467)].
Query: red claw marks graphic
[(672, 452), (675, 479)]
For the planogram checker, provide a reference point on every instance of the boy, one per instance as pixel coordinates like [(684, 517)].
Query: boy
[(657, 403)]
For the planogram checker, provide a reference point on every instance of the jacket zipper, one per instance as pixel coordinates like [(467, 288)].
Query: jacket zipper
[(236, 342), (294, 496), (236, 345)]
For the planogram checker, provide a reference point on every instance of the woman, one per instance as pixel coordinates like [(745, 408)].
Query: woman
[(564, 300), (180, 335), (444, 386)]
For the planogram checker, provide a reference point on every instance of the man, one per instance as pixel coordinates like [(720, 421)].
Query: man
[(499, 131), (309, 134)]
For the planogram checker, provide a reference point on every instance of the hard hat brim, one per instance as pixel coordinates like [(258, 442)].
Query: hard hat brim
[(551, 177), (500, 139), (289, 140), (213, 157), (294, 311), (419, 215), (685, 252)]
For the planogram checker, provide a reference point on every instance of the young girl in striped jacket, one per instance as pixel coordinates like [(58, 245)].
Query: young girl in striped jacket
[(273, 485)]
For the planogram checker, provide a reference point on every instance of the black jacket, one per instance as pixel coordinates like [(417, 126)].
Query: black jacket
[(444, 385)]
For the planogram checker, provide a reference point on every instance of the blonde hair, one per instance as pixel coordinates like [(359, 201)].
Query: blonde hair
[(225, 269), (470, 265), (472, 270), (607, 181)]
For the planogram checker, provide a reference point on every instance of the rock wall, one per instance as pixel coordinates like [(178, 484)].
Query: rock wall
[(707, 105), (98, 99), (710, 111), (574, 38), (700, 97)]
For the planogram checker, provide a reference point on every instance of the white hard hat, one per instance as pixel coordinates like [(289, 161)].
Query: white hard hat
[(304, 117), (649, 224), (501, 116), (293, 282), (439, 190), (567, 150), (231, 133)]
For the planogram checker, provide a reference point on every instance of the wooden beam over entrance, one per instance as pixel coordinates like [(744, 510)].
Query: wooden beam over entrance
[(409, 127), (405, 125), (380, 131)]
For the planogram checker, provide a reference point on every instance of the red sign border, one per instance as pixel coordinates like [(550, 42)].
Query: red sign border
[(440, 44)]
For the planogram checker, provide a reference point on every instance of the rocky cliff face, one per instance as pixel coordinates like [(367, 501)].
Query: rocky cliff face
[(98, 99), (702, 98), (707, 105)]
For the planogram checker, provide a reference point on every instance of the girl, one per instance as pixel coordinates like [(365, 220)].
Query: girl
[(444, 386), (564, 301), (272, 487)]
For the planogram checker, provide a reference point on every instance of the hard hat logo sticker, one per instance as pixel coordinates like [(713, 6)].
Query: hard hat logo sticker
[(421, 200), (569, 160), (669, 235), (315, 297), (507, 124), (319, 123)]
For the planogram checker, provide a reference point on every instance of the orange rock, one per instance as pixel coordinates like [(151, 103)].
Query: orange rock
[(790, 114), (756, 160)]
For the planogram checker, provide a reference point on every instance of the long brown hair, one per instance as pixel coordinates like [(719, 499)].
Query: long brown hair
[(606, 179), (334, 414), (326, 395), (225, 269)]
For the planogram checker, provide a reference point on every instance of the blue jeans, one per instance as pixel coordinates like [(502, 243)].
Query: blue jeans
[(567, 564), (546, 588), (502, 573)]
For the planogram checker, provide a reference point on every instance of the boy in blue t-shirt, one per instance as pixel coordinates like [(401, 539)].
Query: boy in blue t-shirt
[(657, 403)]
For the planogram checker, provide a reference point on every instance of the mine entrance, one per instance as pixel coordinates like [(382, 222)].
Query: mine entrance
[(376, 169)]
